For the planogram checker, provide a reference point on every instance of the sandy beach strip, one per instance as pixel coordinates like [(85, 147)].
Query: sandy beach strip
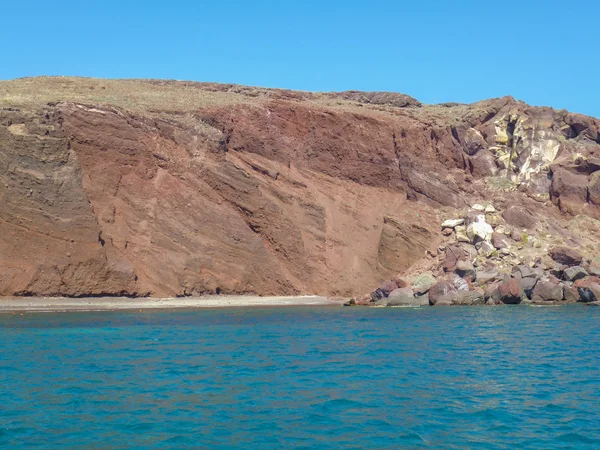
[(62, 304)]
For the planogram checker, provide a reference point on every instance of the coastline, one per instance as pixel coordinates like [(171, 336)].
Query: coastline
[(69, 304)]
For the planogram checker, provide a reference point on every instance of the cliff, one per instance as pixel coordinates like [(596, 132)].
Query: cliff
[(165, 188)]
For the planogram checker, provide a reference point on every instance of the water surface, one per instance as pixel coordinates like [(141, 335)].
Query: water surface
[(505, 377)]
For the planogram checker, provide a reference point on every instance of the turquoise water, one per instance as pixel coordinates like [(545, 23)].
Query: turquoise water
[(505, 377)]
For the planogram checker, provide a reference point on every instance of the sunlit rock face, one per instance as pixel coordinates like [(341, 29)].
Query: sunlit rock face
[(211, 188)]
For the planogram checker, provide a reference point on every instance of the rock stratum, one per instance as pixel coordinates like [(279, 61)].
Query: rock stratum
[(165, 188)]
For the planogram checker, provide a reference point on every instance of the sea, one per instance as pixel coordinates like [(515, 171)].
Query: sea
[(307, 377)]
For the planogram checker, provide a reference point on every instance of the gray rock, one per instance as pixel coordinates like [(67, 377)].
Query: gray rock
[(465, 269), (422, 283), (485, 249), (461, 234), (547, 291), (475, 297), (405, 297), (571, 294), (452, 223), (588, 289), (528, 285), (485, 277), (524, 271), (574, 273), (594, 270)]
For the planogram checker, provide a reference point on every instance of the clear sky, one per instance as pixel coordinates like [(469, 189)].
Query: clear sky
[(545, 52)]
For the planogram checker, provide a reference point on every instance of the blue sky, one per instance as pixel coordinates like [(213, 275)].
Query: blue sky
[(542, 52)]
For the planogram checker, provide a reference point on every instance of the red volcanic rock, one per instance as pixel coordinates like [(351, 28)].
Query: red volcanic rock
[(483, 164), (473, 141), (569, 190), (518, 216), (594, 188), (566, 255), (499, 241), (388, 286), (400, 282), (509, 291), (454, 254)]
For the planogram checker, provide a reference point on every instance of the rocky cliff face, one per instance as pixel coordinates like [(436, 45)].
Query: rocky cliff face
[(164, 188)]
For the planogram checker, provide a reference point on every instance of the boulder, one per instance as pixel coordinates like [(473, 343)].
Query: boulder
[(479, 230), (499, 241), (465, 269), (528, 285), (525, 271), (478, 207), (461, 234), (588, 289), (452, 223), (454, 254), (377, 295), (422, 283), (571, 294), (403, 297), (489, 209), (441, 293), (447, 231), (445, 291), (387, 286), (474, 297), (486, 249), (569, 190), (574, 273), (491, 292), (509, 291), (594, 269), (400, 282), (520, 217), (566, 255), (484, 278), (547, 291)]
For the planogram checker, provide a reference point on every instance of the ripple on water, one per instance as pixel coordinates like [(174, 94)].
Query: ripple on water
[(302, 378)]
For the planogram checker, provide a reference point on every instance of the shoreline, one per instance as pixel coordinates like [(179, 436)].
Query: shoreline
[(88, 304)]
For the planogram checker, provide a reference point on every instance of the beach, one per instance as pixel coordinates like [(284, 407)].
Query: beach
[(64, 304)]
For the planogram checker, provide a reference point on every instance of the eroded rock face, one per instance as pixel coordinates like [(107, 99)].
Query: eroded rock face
[(270, 193)]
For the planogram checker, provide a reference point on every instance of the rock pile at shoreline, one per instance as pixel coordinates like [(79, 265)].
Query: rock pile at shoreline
[(494, 259)]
